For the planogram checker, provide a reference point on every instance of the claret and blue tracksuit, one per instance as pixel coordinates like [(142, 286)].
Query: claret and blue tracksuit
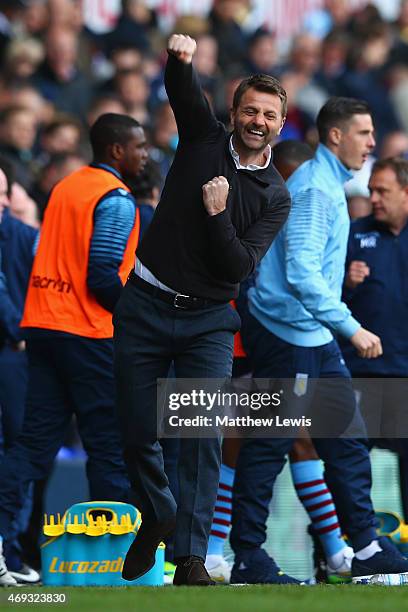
[(295, 311)]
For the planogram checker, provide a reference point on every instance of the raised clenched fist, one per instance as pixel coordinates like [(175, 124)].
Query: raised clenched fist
[(215, 194), (183, 47)]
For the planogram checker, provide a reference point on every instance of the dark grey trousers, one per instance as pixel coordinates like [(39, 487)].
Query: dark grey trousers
[(149, 335)]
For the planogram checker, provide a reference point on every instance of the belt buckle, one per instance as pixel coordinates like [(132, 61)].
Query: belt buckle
[(176, 303)]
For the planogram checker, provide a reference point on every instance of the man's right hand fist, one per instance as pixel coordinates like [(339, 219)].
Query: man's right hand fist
[(368, 345), (356, 274), (183, 47)]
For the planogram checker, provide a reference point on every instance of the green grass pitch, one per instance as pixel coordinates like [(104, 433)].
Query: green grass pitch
[(221, 599)]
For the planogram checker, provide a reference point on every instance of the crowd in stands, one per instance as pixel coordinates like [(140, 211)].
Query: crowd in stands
[(57, 77)]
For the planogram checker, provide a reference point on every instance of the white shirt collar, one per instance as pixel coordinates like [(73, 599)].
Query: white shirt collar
[(238, 164)]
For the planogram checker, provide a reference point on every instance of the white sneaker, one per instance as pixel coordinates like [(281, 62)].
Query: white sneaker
[(341, 573), (26, 575), (218, 568), (6, 579)]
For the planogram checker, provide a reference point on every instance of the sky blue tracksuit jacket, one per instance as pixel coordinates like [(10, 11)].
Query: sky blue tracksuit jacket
[(297, 295)]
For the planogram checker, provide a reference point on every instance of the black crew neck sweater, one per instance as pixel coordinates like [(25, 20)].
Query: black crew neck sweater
[(184, 247)]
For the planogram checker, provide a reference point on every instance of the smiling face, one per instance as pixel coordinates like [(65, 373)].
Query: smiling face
[(256, 121)]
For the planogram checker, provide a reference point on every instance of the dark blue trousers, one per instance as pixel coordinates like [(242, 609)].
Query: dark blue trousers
[(149, 335), (347, 463), (66, 375), (13, 389)]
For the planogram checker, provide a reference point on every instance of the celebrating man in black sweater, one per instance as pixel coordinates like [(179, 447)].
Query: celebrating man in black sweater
[(222, 205)]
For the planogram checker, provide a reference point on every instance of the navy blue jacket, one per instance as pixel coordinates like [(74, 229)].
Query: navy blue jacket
[(17, 251), (380, 303)]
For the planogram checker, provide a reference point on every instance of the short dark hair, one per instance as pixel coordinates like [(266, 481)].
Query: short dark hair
[(124, 48), (399, 165), (57, 160), (103, 97), (264, 83), (337, 112), (10, 111), (291, 152), (109, 129), (126, 72), (61, 120), (259, 34)]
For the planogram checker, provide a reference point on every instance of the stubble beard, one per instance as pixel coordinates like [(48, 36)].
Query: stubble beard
[(239, 140)]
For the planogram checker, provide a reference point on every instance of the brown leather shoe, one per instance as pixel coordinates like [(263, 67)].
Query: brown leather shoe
[(191, 571), (141, 555)]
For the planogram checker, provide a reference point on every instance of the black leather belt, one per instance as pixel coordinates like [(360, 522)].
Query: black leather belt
[(178, 300)]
